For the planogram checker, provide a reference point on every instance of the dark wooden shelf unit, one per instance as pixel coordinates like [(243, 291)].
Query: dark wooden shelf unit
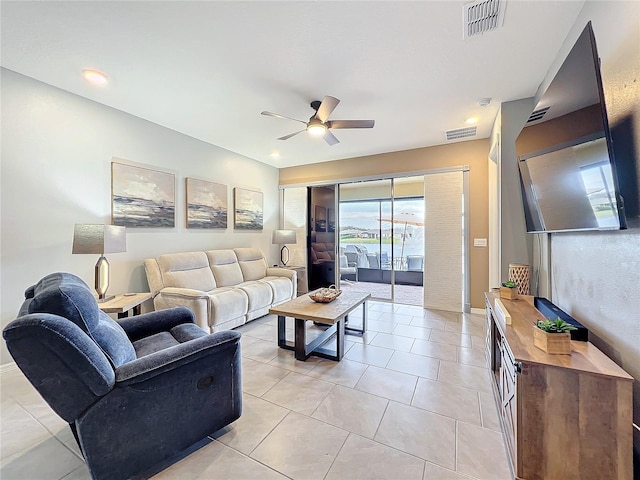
[(564, 416)]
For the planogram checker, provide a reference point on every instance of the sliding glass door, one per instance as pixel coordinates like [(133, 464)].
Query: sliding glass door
[(364, 250), (401, 239), (381, 238)]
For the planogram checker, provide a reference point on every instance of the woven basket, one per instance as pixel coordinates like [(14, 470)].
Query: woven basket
[(325, 295)]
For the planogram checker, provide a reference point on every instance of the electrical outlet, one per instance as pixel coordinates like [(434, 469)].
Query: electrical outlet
[(479, 242)]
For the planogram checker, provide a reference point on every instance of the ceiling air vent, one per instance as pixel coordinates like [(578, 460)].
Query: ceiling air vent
[(461, 133), (538, 114), (482, 16)]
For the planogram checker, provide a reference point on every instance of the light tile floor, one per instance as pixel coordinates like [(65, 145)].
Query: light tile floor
[(411, 400)]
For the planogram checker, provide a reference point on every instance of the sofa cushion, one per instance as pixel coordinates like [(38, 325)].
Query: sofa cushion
[(281, 287), (259, 293), (225, 267), (252, 263), (68, 296), (186, 270), (227, 303)]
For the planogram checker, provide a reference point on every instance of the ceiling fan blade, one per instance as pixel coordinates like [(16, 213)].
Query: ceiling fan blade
[(351, 123), (326, 107), (291, 135), (330, 138), (277, 115)]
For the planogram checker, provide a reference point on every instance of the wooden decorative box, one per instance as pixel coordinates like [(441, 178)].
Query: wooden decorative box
[(553, 343), (509, 293)]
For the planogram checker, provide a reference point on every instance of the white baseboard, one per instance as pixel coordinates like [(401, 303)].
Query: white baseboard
[(478, 311), (8, 367)]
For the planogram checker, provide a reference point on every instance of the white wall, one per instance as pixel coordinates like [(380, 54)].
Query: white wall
[(515, 244), (596, 275), (56, 157)]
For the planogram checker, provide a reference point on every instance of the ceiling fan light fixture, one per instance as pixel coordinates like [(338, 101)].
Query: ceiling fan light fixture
[(317, 129)]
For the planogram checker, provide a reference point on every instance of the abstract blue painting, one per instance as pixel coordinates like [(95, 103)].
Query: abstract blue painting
[(248, 209), (142, 197), (206, 204)]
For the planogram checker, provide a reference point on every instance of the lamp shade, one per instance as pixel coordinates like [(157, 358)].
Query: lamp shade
[(100, 239), (281, 237)]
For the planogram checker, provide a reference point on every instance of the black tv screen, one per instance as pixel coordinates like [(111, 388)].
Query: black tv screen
[(565, 155)]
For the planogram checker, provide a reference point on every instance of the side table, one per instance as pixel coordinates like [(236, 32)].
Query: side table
[(123, 303), (302, 278)]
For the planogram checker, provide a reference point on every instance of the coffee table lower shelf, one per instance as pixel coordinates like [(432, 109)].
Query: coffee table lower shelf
[(315, 347), (337, 325)]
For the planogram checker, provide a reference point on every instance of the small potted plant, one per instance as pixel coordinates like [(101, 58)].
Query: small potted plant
[(509, 290), (553, 336)]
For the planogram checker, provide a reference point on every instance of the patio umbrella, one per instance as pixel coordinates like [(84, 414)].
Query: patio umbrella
[(405, 218)]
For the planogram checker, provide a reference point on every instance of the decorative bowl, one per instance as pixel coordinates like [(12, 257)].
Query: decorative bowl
[(325, 295)]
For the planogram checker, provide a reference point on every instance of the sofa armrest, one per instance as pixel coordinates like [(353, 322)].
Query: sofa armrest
[(183, 292), (282, 272), (197, 301), (171, 358), (151, 323)]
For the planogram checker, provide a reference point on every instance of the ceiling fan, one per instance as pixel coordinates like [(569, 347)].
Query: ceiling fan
[(319, 124)]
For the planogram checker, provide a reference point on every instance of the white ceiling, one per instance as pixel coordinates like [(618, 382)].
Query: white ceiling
[(207, 68)]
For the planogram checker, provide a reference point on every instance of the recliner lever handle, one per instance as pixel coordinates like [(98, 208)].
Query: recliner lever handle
[(205, 382)]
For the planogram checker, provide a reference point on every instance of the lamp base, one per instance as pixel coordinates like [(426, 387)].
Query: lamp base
[(284, 255), (102, 280)]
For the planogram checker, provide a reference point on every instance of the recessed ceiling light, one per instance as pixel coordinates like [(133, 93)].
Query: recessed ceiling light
[(95, 77), (275, 155), (471, 120)]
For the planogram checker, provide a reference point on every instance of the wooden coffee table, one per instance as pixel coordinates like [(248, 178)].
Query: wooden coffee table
[(335, 314)]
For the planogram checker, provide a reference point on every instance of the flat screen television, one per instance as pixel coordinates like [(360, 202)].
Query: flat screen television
[(565, 153)]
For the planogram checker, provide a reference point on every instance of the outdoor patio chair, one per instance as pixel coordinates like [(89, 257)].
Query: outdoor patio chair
[(373, 260), (347, 268), (384, 260), (352, 258), (415, 263)]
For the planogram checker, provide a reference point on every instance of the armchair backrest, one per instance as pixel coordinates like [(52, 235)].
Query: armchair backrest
[(67, 296), (55, 344)]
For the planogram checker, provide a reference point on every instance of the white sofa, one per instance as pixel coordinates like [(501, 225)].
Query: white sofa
[(223, 288)]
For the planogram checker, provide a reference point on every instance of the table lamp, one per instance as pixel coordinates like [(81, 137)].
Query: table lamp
[(282, 237), (100, 239)]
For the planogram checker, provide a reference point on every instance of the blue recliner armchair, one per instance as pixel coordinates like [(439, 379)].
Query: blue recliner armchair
[(135, 392)]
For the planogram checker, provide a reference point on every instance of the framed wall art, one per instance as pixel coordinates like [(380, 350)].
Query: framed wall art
[(206, 204), (142, 197), (248, 209)]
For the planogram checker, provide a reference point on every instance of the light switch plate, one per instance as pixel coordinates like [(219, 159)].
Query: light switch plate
[(479, 242)]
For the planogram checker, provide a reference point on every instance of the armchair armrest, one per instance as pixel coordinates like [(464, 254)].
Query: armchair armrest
[(174, 357), (154, 322)]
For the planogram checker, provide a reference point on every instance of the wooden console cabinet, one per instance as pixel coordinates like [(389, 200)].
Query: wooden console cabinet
[(564, 416)]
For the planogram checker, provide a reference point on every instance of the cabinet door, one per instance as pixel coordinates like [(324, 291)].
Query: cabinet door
[(509, 399), (488, 339)]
